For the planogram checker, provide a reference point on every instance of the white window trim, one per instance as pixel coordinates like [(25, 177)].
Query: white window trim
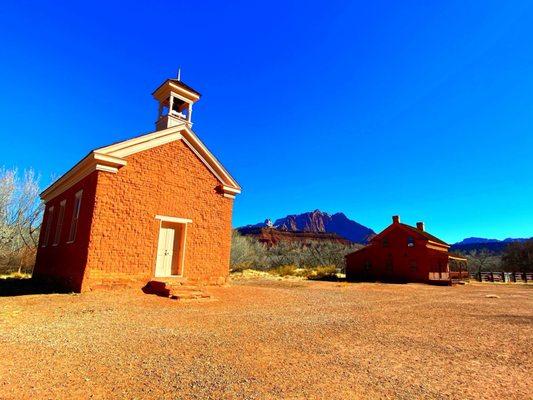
[(173, 219), (48, 227), (62, 207), (77, 196)]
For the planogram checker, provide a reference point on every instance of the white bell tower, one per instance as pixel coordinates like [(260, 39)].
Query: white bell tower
[(175, 103)]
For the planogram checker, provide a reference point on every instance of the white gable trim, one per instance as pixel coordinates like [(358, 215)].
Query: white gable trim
[(111, 159), (179, 132), (204, 161), (209, 157), (92, 162), (141, 143)]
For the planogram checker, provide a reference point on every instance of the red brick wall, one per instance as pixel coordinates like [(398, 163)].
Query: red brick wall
[(65, 263), (409, 264), (167, 180)]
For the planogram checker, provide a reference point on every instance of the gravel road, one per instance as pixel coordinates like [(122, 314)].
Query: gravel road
[(265, 339)]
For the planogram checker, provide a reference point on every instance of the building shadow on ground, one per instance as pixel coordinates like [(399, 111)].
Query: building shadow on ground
[(21, 287), (326, 278), (157, 288)]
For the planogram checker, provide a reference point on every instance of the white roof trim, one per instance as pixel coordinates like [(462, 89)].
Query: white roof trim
[(144, 142), (197, 143), (179, 132), (178, 88), (92, 162), (110, 159), (228, 189), (169, 86)]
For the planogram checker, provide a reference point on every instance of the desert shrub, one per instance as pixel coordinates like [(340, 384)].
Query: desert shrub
[(247, 252), (482, 260), (518, 257), (284, 270), (325, 272), (242, 252)]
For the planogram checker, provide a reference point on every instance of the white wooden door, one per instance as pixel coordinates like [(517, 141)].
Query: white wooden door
[(165, 251)]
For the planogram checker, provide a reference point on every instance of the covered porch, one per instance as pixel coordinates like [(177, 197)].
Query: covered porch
[(458, 267)]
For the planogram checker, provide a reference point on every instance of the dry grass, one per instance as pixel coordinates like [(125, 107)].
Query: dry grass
[(284, 270), (271, 339), (15, 275), (326, 272)]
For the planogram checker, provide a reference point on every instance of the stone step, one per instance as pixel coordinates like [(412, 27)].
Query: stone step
[(189, 295), (175, 290), (172, 280)]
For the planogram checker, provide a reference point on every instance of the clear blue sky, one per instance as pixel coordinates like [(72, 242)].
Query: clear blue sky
[(370, 108)]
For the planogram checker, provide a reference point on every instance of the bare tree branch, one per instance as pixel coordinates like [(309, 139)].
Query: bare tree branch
[(20, 216)]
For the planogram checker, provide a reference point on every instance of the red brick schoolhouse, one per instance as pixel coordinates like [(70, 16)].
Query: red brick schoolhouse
[(157, 205), (403, 253)]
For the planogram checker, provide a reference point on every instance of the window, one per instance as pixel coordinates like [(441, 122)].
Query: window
[(413, 266), (410, 241), (59, 226), (75, 216), (385, 243), (49, 219)]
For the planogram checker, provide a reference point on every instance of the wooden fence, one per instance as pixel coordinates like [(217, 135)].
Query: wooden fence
[(524, 277)]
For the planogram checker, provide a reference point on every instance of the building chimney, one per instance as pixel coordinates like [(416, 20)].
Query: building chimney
[(420, 226), (395, 219)]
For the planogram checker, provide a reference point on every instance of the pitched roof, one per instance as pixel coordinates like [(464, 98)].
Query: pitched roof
[(179, 83), (184, 86), (111, 159), (412, 230), (362, 249), (424, 234)]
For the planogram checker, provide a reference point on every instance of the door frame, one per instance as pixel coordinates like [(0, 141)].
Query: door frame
[(175, 220)]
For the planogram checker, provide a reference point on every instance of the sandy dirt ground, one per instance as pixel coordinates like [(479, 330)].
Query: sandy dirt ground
[(264, 339)]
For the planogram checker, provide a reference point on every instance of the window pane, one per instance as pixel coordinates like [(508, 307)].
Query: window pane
[(60, 218), (48, 226), (75, 216)]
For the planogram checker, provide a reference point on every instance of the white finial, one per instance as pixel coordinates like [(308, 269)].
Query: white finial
[(179, 74)]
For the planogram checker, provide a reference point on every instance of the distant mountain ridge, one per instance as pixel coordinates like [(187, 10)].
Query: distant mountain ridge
[(476, 243), (321, 223), (472, 240), (318, 221)]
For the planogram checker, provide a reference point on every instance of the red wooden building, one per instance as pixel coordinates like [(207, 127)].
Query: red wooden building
[(403, 253)]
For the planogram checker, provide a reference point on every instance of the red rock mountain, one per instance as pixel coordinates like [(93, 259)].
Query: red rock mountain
[(320, 222), (273, 236)]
